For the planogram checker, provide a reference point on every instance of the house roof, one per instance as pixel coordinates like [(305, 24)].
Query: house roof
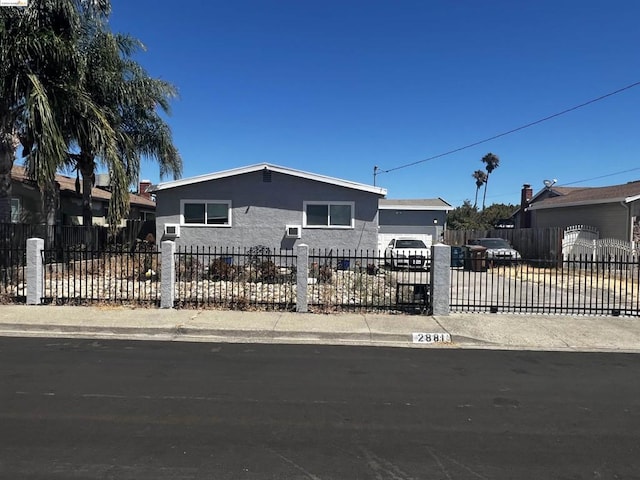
[(68, 186), (414, 204), (274, 168), (576, 196)]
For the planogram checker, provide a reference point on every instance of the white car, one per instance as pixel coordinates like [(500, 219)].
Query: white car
[(407, 253)]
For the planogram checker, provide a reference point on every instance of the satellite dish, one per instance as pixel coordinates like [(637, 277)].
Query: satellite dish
[(549, 183)]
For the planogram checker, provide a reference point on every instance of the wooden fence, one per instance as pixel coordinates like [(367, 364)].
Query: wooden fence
[(532, 243)]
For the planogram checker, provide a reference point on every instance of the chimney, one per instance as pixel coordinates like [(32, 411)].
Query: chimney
[(525, 198), (142, 189)]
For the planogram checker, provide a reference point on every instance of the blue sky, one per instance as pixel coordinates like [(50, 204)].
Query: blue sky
[(338, 87)]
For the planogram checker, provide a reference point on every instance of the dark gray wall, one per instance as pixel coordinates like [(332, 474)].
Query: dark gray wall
[(411, 217), (261, 210), (413, 222)]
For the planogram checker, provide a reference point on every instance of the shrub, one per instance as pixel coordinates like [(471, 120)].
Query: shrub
[(221, 269), (188, 268), (258, 254)]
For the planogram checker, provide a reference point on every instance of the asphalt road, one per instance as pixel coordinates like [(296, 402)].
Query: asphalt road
[(82, 409)]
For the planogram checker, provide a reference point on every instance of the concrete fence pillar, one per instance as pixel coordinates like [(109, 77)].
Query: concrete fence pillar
[(441, 279), (302, 279), (168, 274), (35, 271)]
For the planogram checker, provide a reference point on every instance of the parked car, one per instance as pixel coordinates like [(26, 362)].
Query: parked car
[(498, 249), (407, 253)]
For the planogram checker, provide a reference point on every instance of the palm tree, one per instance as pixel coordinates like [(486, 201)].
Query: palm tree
[(492, 162), (38, 65), (129, 99), (480, 178)]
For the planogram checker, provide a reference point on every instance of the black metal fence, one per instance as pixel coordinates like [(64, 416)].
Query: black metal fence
[(13, 281), (60, 238), (264, 278), (236, 278), (365, 281), (579, 285), (103, 276), (261, 277)]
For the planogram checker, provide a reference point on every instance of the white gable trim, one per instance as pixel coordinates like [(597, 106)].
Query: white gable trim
[(273, 168)]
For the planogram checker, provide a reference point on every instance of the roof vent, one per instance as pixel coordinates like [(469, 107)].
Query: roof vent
[(266, 175)]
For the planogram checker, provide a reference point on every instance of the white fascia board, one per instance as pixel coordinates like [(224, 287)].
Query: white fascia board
[(273, 168), (632, 199)]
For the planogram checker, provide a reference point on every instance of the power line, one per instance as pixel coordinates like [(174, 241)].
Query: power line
[(576, 181), (531, 124), (601, 176)]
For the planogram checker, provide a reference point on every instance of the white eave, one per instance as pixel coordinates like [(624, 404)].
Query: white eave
[(273, 168)]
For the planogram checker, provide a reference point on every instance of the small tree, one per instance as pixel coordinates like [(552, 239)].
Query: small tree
[(465, 217)]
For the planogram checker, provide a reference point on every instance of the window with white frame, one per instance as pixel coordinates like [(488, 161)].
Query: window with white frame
[(206, 212), (16, 210), (328, 214)]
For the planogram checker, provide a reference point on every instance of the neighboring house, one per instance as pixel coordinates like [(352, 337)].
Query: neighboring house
[(613, 210), (421, 218), (26, 201), (268, 205)]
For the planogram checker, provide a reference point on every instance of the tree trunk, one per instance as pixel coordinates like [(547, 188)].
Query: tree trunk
[(484, 195), (7, 154), (86, 166), (50, 209), (87, 169)]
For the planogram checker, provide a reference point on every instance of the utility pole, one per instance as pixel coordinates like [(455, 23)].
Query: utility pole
[(375, 172)]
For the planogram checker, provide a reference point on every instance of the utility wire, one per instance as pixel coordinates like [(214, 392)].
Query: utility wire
[(578, 181), (599, 177), (378, 170)]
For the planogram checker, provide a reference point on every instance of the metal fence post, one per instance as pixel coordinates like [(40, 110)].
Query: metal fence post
[(35, 271), (302, 278), (168, 274), (440, 279)]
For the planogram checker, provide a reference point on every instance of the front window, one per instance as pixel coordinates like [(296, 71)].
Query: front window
[(16, 210), (206, 212), (328, 214)]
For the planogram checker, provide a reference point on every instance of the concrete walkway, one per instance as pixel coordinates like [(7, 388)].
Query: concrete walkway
[(484, 331)]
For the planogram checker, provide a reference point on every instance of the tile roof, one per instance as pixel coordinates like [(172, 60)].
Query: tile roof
[(68, 186)]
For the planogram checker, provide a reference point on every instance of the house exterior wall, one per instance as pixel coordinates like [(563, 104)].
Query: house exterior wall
[(70, 211), (30, 202), (427, 225), (261, 210), (612, 220), (389, 219)]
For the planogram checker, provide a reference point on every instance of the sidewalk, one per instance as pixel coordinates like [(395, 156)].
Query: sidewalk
[(479, 331)]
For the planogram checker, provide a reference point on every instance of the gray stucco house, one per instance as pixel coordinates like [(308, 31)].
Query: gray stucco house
[(423, 218), (268, 205), (614, 210)]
